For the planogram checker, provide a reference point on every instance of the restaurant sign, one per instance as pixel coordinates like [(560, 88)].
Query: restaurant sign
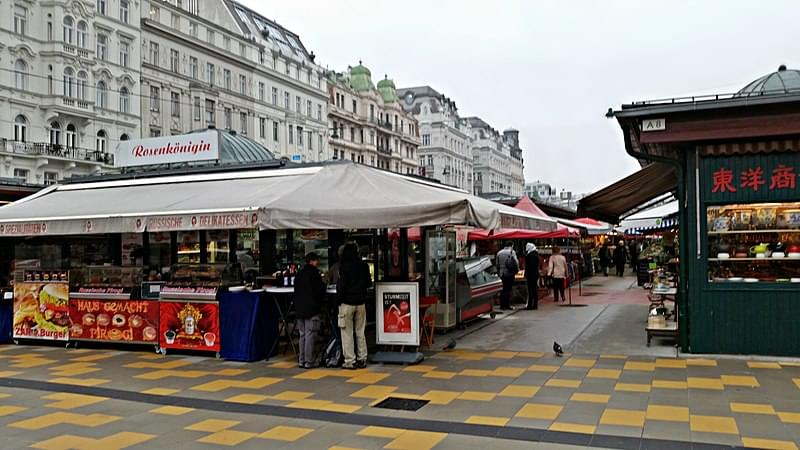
[(198, 221), (751, 178), (397, 308), (509, 221), (168, 149)]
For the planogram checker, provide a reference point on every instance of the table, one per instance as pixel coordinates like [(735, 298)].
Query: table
[(248, 326), (285, 328)]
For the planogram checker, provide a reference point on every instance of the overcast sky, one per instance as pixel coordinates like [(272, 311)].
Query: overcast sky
[(552, 68)]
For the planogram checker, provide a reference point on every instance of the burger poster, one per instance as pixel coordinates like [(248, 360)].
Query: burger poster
[(134, 321), (41, 310), (397, 306), (189, 325)]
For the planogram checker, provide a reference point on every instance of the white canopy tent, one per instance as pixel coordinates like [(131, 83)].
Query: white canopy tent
[(332, 196)]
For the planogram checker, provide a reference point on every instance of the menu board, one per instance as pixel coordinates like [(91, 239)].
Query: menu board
[(41, 310), (124, 321), (189, 325), (397, 307)]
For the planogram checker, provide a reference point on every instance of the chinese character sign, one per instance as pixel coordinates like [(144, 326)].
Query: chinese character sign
[(751, 178)]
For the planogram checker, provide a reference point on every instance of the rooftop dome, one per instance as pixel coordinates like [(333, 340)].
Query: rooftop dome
[(387, 90), (237, 149), (783, 81), (360, 78)]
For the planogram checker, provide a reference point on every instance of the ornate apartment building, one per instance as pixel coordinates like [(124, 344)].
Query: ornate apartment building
[(445, 152), (225, 65), (368, 123), (68, 86), (497, 159)]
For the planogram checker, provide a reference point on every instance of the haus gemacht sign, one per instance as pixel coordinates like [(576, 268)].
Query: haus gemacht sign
[(183, 148)]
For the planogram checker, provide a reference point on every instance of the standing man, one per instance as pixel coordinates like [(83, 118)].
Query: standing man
[(620, 257), (532, 275), (507, 268), (605, 258), (309, 293), (633, 251), (352, 290)]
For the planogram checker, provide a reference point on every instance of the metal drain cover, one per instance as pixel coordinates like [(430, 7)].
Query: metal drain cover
[(403, 404)]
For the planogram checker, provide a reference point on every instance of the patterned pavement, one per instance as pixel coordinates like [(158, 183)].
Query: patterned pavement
[(52, 398)]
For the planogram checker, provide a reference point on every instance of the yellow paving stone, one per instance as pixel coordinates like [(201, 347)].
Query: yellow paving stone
[(670, 363), (419, 368), (632, 387), (519, 391), (114, 442), (590, 398), (701, 362), (440, 397), (668, 413), (753, 408), (704, 383), (578, 362), (475, 373), (339, 447), (611, 374), (310, 404), (29, 363), (340, 407), (640, 366), (769, 444), (796, 382), (72, 401), (220, 385), (670, 384), (4, 395), (160, 391), (530, 354), (161, 374), (572, 427), (763, 365), (231, 372), (380, 432), (543, 368), (511, 372), (374, 392), (417, 440), (789, 364), (788, 417), (370, 377), (8, 373), (613, 356), (227, 437), (91, 358), (502, 355), (713, 424), (285, 433), (439, 374), (58, 418), (74, 369), (313, 374), (487, 420), (166, 365), (477, 396), (284, 364), (292, 396), (625, 417), (739, 380), (151, 356), (557, 382), (6, 410), (249, 399), (540, 411), (79, 381), (212, 425), (171, 410)]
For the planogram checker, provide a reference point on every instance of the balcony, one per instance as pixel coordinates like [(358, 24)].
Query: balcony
[(42, 149), (75, 103), (386, 150)]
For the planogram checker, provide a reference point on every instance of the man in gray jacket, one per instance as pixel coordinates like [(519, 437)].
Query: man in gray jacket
[(507, 267)]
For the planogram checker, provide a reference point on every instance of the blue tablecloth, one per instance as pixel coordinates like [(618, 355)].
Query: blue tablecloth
[(248, 326), (6, 320)]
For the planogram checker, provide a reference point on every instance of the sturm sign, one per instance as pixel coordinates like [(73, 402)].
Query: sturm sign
[(168, 149)]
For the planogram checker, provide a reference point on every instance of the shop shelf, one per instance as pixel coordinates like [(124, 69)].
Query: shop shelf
[(711, 233)]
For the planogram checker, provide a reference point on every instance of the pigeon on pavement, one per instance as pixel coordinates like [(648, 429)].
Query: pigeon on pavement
[(450, 346), (557, 349)]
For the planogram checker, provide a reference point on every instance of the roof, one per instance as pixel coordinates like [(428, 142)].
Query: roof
[(287, 41), (236, 148), (387, 90), (361, 78), (781, 82)]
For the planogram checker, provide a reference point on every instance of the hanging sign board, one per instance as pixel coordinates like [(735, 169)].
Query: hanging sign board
[(168, 149), (397, 308), (659, 124)]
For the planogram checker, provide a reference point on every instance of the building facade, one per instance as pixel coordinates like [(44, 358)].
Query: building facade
[(368, 123), (444, 153), (224, 65), (497, 159), (68, 86)]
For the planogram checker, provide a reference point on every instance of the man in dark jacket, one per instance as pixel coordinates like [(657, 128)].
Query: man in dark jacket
[(605, 258), (507, 267), (620, 258), (532, 275), (351, 289), (309, 294)]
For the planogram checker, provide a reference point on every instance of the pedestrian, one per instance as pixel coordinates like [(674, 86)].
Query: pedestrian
[(633, 251), (532, 275), (605, 258), (309, 295), (351, 289), (620, 258), (507, 267), (557, 270)]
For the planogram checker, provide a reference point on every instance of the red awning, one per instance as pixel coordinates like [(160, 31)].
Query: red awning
[(527, 205)]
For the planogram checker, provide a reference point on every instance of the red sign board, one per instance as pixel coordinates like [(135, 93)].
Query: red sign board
[(41, 310), (189, 325), (114, 320)]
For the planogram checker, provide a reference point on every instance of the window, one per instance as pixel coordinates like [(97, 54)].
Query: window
[(49, 30), (275, 96), (154, 53), (193, 29), (69, 82), (174, 61), (175, 100), (261, 90), (124, 50), (226, 41), (102, 46), (243, 122), (210, 112), (102, 95), (55, 133), (20, 19), (210, 35), (101, 7), (372, 113), (50, 178), (69, 29), (82, 35), (194, 6), (319, 142), (275, 131), (155, 131), (262, 127), (21, 174), (300, 137), (176, 22), (124, 100), (210, 73), (155, 99), (228, 118), (21, 75), (193, 64), (309, 110), (100, 142), (243, 50), (297, 104), (319, 112), (286, 100), (426, 139), (242, 84), (226, 75), (70, 137), (123, 11), (354, 106), (197, 108), (20, 128), (155, 13), (123, 137), (291, 134)]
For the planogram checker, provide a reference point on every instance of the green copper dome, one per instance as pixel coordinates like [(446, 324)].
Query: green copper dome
[(361, 78), (387, 90)]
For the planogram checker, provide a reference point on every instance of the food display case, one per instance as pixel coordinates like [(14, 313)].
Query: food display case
[(189, 310), (440, 275), (477, 285)]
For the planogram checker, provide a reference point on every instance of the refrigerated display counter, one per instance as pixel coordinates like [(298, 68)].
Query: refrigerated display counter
[(477, 286)]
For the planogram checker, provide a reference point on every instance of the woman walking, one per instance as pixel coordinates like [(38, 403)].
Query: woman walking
[(557, 269), (354, 281)]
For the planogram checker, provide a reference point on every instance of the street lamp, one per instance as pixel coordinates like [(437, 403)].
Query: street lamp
[(334, 135)]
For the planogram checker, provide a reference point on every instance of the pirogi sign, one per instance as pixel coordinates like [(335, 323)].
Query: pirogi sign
[(168, 149)]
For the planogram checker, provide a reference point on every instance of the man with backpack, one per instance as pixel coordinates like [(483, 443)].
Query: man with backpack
[(309, 295), (507, 267)]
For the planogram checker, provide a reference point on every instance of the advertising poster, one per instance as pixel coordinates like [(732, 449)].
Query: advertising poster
[(131, 321), (397, 307), (41, 310), (189, 325)]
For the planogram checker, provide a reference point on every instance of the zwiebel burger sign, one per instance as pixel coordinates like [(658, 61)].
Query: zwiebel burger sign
[(168, 149)]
